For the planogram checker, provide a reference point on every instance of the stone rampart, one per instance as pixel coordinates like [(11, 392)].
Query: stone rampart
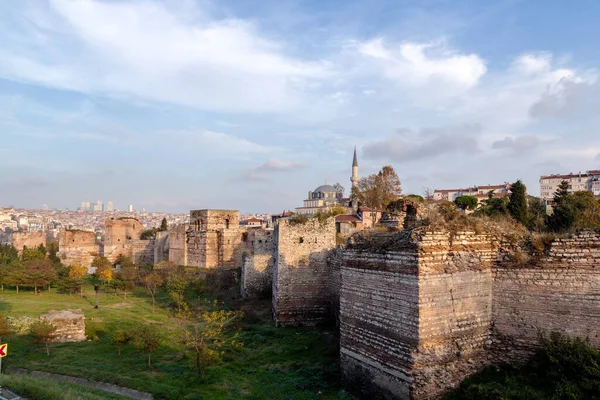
[(28, 239), (558, 290), (141, 251), (215, 239), (178, 244), (161, 247), (420, 311), (257, 263), (77, 247), (301, 284)]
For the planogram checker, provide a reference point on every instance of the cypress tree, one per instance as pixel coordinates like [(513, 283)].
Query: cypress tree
[(163, 225), (563, 210), (517, 203)]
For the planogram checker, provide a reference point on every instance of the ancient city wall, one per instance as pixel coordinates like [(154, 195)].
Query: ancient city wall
[(141, 251), (121, 230), (257, 263), (70, 325), (301, 291), (161, 247), (29, 239), (421, 311), (77, 247), (558, 290), (178, 245), (215, 239)]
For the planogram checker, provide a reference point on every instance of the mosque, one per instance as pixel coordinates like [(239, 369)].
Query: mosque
[(326, 196)]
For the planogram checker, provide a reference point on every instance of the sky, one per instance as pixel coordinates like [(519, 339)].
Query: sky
[(249, 104)]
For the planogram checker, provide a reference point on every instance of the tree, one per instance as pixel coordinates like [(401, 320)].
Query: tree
[(5, 328), (176, 286), (104, 269), (35, 253), (517, 202), (163, 225), (494, 206), (339, 189), (466, 202), (378, 190), (537, 215), (147, 338), (76, 274), (209, 333), (148, 234), (119, 339), (563, 211), (587, 210), (43, 332), (40, 272), (153, 282), (16, 275)]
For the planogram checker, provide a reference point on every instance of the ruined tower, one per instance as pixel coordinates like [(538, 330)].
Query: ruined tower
[(354, 178)]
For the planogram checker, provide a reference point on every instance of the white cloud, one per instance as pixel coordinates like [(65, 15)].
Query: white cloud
[(155, 51), (217, 141), (421, 63), (261, 172)]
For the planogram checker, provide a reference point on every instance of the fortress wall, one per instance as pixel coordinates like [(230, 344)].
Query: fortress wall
[(257, 263)]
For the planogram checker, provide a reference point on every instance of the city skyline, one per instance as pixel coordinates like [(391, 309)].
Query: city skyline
[(249, 105)]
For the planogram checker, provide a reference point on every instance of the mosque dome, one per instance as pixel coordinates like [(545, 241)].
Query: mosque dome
[(325, 189)]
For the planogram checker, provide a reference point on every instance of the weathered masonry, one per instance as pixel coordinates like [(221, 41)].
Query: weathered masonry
[(214, 239), (257, 263), (302, 293), (122, 237), (421, 311), (27, 239), (77, 247)]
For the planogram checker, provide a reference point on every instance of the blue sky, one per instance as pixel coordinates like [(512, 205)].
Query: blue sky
[(250, 104)]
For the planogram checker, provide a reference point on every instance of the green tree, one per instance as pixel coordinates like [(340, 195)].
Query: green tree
[(163, 225), (208, 334), (176, 285), (153, 282), (8, 254), (517, 202), (148, 234), (17, 275), (587, 210), (494, 206), (147, 338), (43, 332), (563, 211), (119, 339), (466, 202), (537, 215), (378, 190), (40, 272), (104, 269), (35, 253)]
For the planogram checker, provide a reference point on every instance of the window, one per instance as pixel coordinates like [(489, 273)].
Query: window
[(226, 224)]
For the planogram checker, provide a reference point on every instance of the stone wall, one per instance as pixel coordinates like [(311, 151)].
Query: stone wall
[(178, 244), (29, 239), (558, 290), (70, 325), (77, 247), (161, 247), (120, 233), (301, 287), (215, 239), (141, 251), (421, 311), (257, 263)]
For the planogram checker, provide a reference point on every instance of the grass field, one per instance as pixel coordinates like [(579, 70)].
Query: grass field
[(274, 363)]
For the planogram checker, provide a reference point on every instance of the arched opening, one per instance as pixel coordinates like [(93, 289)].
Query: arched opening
[(226, 223)]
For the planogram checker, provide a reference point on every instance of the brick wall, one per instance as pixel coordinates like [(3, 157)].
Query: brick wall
[(141, 251), (557, 291), (77, 247), (215, 239), (257, 263), (301, 291)]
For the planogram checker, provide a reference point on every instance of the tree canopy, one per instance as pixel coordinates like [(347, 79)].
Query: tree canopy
[(517, 202), (378, 190)]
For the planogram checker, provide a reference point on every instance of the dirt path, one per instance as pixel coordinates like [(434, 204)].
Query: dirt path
[(107, 387)]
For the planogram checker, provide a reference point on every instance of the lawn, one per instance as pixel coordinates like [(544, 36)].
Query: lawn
[(274, 363)]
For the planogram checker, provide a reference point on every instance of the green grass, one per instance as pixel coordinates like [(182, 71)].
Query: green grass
[(43, 389), (274, 363)]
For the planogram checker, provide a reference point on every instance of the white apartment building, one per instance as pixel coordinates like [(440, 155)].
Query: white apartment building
[(481, 192), (589, 181)]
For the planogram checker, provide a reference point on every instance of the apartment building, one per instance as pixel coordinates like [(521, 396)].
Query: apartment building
[(588, 181)]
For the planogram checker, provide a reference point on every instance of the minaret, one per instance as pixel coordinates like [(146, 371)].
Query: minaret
[(354, 178)]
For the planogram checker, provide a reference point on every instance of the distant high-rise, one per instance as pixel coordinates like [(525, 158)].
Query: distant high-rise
[(85, 206), (109, 206), (45, 207), (99, 206), (131, 208)]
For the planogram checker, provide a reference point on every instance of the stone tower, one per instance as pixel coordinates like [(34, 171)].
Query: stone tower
[(354, 178)]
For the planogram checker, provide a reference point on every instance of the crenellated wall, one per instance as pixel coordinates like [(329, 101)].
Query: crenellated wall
[(301, 286)]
